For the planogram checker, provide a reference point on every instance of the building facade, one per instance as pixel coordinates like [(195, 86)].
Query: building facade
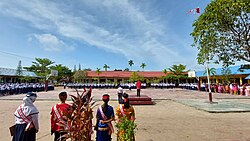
[(8, 75)]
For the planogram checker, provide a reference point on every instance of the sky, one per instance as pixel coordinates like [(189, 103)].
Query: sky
[(97, 32)]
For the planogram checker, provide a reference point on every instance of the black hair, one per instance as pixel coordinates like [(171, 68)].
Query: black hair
[(126, 104), (125, 95), (63, 94)]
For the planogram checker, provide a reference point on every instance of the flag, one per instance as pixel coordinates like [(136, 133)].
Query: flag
[(195, 10)]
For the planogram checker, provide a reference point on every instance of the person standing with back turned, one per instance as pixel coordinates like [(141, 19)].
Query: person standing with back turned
[(119, 93), (104, 116), (26, 117), (59, 113)]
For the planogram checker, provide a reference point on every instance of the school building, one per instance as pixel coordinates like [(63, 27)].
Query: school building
[(8, 75), (124, 76), (237, 74)]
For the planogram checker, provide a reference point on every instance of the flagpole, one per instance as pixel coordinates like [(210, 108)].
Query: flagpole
[(208, 84)]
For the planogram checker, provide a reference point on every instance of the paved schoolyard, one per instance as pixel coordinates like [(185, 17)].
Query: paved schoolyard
[(172, 118)]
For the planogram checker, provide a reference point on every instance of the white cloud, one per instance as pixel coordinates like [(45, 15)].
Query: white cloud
[(118, 26), (52, 43)]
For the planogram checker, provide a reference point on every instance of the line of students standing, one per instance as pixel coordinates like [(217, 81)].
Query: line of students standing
[(26, 118)]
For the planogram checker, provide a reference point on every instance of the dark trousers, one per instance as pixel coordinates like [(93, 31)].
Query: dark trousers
[(138, 92), (120, 100), (58, 136), (22, 135)]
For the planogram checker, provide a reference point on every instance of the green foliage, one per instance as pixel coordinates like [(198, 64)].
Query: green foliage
[(177, 69), (135, 76), (126, 69), (143, 65), (79, 75), (106, 67), (177, 72), (222, 34), (211, 71), (63, 72), (40, 66), (131, 63), (165, 71), (19, 70), (226, 72), (126, 129), (98, 71)]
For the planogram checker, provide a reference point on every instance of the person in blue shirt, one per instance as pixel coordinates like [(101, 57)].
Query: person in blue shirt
[(104, 116)]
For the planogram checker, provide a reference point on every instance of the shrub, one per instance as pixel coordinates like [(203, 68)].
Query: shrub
[(79, 123)]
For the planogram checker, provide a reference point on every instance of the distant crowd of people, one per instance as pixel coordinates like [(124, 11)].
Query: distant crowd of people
[(21, 88), (123, 85), (104, 85), (232, 88)]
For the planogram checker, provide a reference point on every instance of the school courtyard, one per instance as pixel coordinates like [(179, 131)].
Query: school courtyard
[(178, 115)]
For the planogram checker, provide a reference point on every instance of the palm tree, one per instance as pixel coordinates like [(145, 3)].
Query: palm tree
[(143, 65), (177, 70), (126, 69), (165, 72), (130, 63), (106, 67), (98, 71), (211, 71)]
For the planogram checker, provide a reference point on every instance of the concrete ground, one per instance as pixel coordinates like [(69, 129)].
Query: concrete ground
[(174, 117)]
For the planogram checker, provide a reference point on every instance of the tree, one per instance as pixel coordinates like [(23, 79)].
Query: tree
[(226, 72), (106, 67), (222, 32), (98, 71), (135, 76), (211, 71), (165, 72), (143, 65), (126, 69), (79, 75), (130, 63), (19, 70), (177, 71), (41, 66), (64, 73)]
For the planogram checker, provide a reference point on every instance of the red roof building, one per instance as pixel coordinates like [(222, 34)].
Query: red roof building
[(121, 76)]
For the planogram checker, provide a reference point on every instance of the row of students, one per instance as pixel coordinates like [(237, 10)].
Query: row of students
[(104, 85), (21, 88)]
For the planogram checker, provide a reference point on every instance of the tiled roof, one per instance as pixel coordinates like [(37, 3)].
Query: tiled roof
[(125, 74), (12, 72), (234, 71)]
